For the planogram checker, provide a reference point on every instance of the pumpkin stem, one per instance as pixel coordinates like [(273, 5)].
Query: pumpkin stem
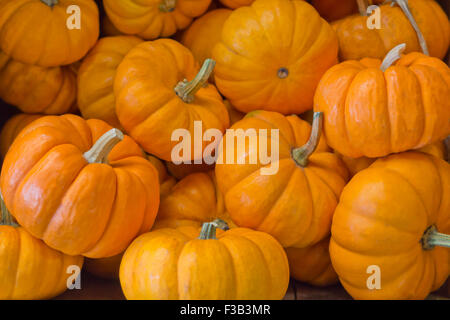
[(167, 5), (187, 89), (403, 4), (50, 3), (101, 149), (432, 238), (392, 56), (362, 7), (6, 217), (208, 231), (302, 154)]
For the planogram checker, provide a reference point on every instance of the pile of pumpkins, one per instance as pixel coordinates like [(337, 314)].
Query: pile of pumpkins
[(362, 114)]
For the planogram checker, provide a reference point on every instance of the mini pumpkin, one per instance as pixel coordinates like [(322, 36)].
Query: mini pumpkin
[(46, 39), (30, 269), (312, 264), (395, 216), (153, 98), (237, 264), (373, 108), (96, 78), (291, 197), (79, 185), (35, 89), (234, 4), (421, 24), (12, 128), (107, 268), (166, 181), (153, 19)]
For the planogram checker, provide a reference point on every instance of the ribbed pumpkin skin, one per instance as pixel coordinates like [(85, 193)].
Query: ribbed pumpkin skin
[(96, 78), (75, 207), (356, 41), (380, 219), (29, 269), (12, 128), (242, 264), (146, 20), (368, 112), (258, 42), (296, 204), (35, 89), (147, 105), (45, 39), (234, 4), (312, 264)]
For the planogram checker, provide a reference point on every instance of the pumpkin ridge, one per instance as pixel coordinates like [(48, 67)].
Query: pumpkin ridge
[(11, 14), (58, 92), (310, 170)]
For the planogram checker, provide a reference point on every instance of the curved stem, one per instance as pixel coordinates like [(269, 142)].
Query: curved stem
[(6, 217), (50, 3), (208, 231), (362, 7), (302, 154), (392, 56), (186, 89), (167, 5), (403, 4), (101, 149), (432, 238)]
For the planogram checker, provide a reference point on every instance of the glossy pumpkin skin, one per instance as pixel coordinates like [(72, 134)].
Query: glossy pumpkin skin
[(195, 269), (191, 202), (408, 104), (96, 78), (30, 269), (93, 209), (205, 33), (380, 219), (312, 264), (262, 62), (296, 204), (12, 128), (147, 105), (35, 89), (150, 20), (356, 41), (45, 40)]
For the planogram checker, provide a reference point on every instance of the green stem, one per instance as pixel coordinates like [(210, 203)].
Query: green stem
[(392, 56), (432, 238), (101, 149), (6, 217), (50, 3), (167, 5), (302, 154), (186, 89), (208, 231)]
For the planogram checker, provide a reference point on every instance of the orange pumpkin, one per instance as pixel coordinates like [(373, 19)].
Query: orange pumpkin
[(151, 110), (373, 109), (154, 19), (29, 268), (263, 62), (166, 181), (107, 268), (312, 264), (46, 39), (388, 219), (234, 4), (108, 29), (74, 184), (35, 89), (182, 170), (357, 41), (292, 198), (12, 128), (332, 10), (96, 78), (238, 264), (193, 200)]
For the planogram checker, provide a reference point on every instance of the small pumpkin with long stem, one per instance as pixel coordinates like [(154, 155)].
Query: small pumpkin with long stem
[(395, 218), (154, 99), (421, 24), (29, 269), (154, 19), (51, 36), (79, 185), (291, 195), (373, 108), (238, 264)]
